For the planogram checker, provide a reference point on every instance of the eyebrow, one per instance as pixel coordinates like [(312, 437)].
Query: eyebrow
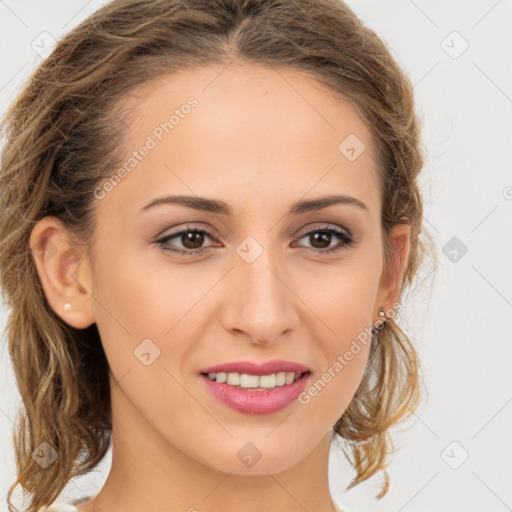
[(219, 207)]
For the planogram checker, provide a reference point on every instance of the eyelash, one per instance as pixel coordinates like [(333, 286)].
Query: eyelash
[(348, 241)]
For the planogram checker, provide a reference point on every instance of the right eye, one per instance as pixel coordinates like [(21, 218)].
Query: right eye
[(197, 238)]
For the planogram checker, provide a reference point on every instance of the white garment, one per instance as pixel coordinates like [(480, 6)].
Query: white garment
[(60, 507), (339, 508)]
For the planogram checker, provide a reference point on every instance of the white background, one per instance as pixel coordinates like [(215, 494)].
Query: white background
[(463, 330)]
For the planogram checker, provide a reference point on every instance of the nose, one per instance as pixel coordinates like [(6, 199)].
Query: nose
[(262, 304)]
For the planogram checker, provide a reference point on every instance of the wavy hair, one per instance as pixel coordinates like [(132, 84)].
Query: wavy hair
[(65, 133)]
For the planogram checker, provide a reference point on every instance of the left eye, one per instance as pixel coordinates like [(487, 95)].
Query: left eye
[(193, 238)]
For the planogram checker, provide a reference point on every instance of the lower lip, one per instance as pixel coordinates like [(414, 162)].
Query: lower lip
[(257, 402)]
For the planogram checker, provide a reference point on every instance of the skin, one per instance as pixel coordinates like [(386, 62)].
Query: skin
[(259, 140)]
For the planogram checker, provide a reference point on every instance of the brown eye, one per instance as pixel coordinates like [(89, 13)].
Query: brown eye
[(191, 240), (194, 238), (321, 239)]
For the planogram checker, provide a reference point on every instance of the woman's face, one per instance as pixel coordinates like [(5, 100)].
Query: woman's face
[(264, 284)]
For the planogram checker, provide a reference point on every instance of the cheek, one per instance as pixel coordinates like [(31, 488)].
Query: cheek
[(343, 305), (342, 298), (344, 357), (139, 297), (142, 311)]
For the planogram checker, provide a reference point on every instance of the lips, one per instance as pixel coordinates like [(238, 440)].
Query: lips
[(257, 368), (261, 401)]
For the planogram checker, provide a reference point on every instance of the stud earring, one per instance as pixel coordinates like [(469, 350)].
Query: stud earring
[(67, 306), (382, 315)]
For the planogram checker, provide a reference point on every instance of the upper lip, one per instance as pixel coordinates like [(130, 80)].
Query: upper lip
[(257, 368)]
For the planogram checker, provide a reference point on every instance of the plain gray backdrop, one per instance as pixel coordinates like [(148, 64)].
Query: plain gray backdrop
[(456, 452)]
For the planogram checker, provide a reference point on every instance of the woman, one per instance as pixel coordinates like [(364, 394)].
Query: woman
[(210, 212)]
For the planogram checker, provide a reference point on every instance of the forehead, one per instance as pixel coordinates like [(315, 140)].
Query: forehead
[(253, 131), (227, 94)]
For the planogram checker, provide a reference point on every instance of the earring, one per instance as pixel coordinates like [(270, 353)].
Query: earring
[(382, 315), (67, 306)]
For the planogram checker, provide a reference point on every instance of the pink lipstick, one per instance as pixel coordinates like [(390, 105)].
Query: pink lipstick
[(256, 388)]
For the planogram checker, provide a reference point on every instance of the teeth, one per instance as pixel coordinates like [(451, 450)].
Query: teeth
[(266, 381), (233, 379), (221, 376), (280, 379), (290, 377), (246, 381)]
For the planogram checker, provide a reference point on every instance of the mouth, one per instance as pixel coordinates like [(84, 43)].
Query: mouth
[(254, 382), (256, 394)]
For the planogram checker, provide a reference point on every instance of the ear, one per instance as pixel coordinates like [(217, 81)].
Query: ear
[(64, 272), (392, 275)]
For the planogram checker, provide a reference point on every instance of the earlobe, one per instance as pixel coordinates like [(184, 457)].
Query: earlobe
[(64, 273)]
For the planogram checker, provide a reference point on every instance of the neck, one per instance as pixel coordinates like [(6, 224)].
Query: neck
[(149, 473)]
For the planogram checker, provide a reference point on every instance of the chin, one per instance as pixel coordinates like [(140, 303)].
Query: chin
[(274, 463)]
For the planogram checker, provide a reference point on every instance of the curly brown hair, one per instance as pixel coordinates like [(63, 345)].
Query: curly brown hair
[(63, 135)]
